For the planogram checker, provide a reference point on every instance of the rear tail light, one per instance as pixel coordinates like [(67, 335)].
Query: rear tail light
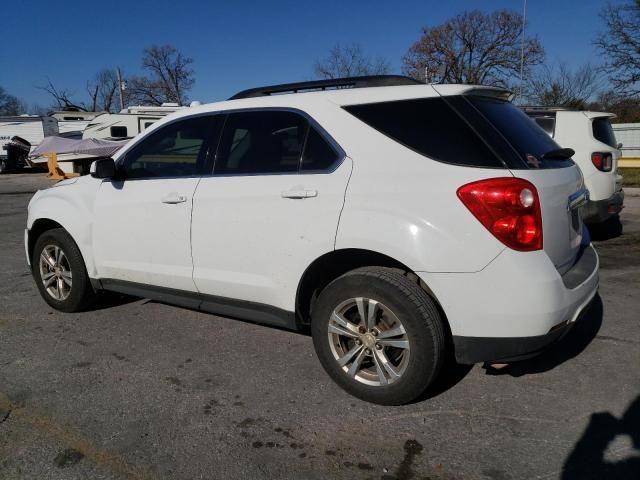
[(602, 161), (509, 208)]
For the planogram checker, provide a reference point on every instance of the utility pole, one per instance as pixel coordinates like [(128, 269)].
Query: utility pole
[(121, 87), (524, 21)]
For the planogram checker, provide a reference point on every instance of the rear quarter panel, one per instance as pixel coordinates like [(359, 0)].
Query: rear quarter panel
[(405, 205)]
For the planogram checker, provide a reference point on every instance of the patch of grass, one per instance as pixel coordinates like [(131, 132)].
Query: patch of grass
[(631, 177)]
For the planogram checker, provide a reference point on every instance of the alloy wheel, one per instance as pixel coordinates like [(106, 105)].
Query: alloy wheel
[(368, 341), (55, 272)]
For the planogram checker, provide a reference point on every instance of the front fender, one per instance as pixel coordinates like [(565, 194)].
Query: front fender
[(71, 206)]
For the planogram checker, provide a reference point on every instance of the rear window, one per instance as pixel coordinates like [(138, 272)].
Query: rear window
[(520, 130), (430, 127), (548, 124), (603, 131)]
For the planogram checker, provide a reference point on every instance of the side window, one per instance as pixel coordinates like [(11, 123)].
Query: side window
[(261, 142), (318, 154), (429, 127), (176, 150), (118, 132)]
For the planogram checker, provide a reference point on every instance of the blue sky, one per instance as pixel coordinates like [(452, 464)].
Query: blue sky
[(237, 45)]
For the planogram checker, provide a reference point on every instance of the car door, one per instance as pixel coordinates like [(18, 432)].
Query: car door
[(141, 231), (271, 207)]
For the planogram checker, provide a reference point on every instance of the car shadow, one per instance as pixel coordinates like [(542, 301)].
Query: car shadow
[(588, 460), (612, 228), (111, 299), (578, 338)]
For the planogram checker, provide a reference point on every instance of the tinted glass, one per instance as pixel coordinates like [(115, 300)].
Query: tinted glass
[(548, 124), (176, 150), (118, 132), (318, 154), (261, 142), (430, 127), (517, 127), (603, 132)]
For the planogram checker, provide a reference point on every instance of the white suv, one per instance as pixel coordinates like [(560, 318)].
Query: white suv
[(597, 153), (398, 223)]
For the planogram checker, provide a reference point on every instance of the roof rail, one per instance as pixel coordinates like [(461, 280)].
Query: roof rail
[(330, 84)]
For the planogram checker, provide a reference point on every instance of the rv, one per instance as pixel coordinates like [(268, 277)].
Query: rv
[(124, 125), (128, 123), (71, 123), (19, 135)]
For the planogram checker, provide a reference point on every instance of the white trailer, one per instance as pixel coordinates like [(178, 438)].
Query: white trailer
[(124, 125), (72, 123), (128, 123), (19, 135)]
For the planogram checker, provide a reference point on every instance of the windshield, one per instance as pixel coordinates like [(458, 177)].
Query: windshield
[(529, 140)]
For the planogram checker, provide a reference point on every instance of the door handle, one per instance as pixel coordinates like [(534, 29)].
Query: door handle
[(299, 193), (173, 198)]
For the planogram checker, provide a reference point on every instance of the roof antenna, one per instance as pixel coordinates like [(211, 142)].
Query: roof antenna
[(524, 20)]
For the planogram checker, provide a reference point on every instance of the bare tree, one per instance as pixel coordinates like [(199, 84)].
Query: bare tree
[(61, 97), (473, 47), (10, 104), (170, 77), (350, 61), (558, 85), (620, 45), (626, 109), (103, 92)]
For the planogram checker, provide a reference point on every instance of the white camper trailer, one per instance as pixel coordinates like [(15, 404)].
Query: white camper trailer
[(19, 135), (128, 123), (71, 123)]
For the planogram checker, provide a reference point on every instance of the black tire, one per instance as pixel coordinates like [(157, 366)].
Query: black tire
[(81, 294), (413, 308)]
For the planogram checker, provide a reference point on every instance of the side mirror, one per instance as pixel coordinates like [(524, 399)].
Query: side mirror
[(619, 146), (103, 168)]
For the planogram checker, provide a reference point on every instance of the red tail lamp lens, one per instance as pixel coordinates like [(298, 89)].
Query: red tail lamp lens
[(509, 208), (602, 161)]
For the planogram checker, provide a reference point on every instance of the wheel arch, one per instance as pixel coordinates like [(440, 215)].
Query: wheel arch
[(39, 226), (326, 268)]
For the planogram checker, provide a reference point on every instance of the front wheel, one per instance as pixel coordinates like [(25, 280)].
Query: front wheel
[(60, 273), (378, 335)]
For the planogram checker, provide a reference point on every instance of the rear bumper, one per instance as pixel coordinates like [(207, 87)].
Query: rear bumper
[(601, 210), (515, 307), (470, 350)]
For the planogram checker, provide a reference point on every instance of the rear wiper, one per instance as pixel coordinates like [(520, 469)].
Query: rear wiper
[(558, 154)]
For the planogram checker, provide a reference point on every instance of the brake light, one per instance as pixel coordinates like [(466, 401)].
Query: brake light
[(509, 208), (602, 161)]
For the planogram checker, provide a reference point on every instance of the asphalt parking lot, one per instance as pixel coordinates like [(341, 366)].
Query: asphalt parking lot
[(143, 390)]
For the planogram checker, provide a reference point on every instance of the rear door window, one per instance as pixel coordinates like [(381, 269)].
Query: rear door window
[(429, 127), (603, 131), (270, 142), (318, 154), (261, 142)]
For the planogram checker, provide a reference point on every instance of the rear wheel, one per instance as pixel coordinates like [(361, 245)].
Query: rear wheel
[(60, 272), (378, 335)]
